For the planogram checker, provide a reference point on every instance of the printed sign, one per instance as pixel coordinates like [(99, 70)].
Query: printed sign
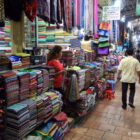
[(111, 13)]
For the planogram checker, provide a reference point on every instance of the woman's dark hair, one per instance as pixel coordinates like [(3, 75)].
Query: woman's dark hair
[(130, 52), (53, 52)]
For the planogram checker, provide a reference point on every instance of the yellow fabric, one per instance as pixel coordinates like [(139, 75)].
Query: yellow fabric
[(86, 46), (129, 67)]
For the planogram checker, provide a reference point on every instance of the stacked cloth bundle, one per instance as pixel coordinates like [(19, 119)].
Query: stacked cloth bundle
[(15, 62), (62, 122), (45, 80), (56, 100), (33, 84), (39, 78), (2, 115), (40, 110), (81, 79), (51, 71), (25, 59), (4, 63), (33, 113), (87, 101), (17, 121), (103, 46), (9, 87), (87, 78), (67, 58), (47, 107), (89, 57), (24, 79)]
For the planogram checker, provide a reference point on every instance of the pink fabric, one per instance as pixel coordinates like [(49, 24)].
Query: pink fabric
[(95, 4), (76, 3)]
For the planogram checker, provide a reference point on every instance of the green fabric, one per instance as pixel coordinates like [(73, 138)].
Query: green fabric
[(138, 7), (102, 45)]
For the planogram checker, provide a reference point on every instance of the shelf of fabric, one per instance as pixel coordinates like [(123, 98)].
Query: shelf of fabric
[(5, 48)]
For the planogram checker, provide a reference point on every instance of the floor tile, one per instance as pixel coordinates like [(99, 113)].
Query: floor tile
[(107, 128), (128, 138), (111, 136), (95, 133), (123, 131)]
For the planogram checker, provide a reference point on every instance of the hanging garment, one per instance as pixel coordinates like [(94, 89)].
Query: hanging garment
[(67, 15), (43, 9), (30, 8), (103, 51), (13, 9), (17, 31), (2, 15), (53, 11), (59, 11)]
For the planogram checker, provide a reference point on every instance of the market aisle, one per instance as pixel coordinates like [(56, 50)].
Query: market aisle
[(109, 122)]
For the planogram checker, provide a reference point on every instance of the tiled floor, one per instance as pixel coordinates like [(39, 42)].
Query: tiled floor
[(109, 122)]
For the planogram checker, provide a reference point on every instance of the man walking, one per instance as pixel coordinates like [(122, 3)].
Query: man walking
[(129, 68)]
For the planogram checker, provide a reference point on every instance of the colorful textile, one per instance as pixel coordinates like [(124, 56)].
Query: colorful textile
[(2, 15), (30, 8)]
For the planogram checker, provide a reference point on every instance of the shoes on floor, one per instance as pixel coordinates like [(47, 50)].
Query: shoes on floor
[(131, 105), (124, 107)]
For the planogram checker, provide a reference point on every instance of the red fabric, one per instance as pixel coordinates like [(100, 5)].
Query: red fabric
[(58, 67), (30, 8)]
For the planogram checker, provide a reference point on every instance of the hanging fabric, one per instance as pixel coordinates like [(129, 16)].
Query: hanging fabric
[(30, 9), (95, 18), (67, 15), (17, 31), (53, 11), (59, 11), (2, 15), (43, 9), (13, 9)]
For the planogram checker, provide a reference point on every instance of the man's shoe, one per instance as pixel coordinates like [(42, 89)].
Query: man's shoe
[(124, 107), (131, 105)]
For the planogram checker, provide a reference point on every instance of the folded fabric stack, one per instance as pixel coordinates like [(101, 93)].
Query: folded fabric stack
[(4, 63), (103, 46), (2, 119), (33, 84), (32, 107), (40, 110), (62, 122), (24, 81), (45, 80), (59, 39), (47, 107), (56, 102), (81, 79), (47, 131), (89, 57), (15, 61), (87, 78), (25, 59), (76, 57), (51, 71), (67, 58), (39, 78), (33, 138), (10, 87), (101, 87), (17, 121), (87, 102)]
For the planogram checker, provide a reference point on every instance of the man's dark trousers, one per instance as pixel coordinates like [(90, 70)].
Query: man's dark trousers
[(124, 93)]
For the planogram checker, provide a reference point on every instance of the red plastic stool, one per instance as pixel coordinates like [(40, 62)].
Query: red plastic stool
[(109, 94)]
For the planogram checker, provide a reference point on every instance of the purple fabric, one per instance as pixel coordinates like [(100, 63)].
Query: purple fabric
[(103, 51)]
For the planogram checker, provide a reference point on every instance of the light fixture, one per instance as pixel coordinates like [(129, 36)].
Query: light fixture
[(129, 25), (123, 19), (117, 3)]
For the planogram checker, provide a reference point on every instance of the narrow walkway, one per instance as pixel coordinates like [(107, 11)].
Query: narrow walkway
[(109, 122)]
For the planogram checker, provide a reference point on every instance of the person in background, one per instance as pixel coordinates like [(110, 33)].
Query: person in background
[(129, 68), (53, 60)]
